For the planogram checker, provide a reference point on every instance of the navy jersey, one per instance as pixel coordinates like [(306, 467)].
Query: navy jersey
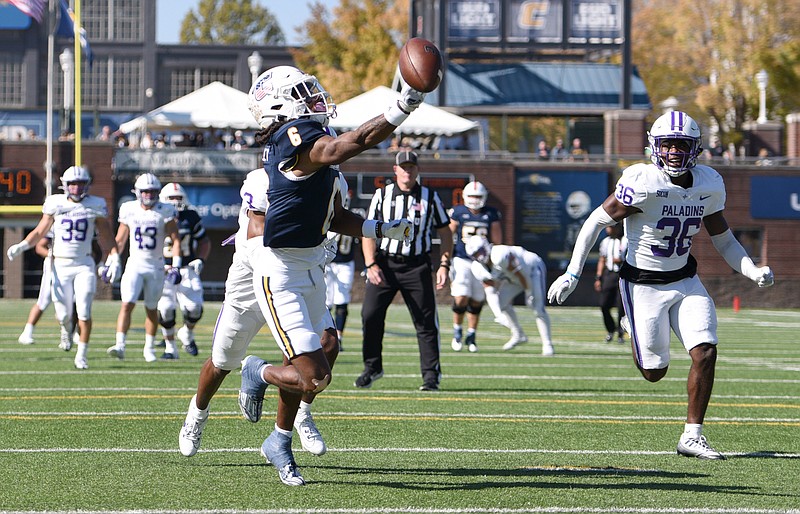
[(470, 224), (299, 209), (190, 231)]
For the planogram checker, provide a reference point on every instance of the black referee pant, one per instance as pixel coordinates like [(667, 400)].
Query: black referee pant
[(609, 298), (413, 279)]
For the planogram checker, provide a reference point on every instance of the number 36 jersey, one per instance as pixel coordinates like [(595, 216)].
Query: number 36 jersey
[(146, 228), (73, 225), (660, 237)]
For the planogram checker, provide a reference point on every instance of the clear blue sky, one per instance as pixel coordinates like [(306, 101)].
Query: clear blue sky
[(290, 14)]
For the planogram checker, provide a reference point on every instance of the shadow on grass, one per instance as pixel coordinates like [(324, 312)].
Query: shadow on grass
[(766, 455), (526, 477)]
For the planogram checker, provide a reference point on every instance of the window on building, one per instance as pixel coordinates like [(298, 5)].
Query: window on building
[(12, 80), (184, 81), (113, 20)]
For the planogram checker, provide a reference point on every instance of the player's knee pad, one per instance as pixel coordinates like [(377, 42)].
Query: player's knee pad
[(340, 316), (192, 316), (473, 308), (460, 309), (167, 319)]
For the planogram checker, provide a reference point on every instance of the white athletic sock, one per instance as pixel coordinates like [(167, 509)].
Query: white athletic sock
[(287, 433), (28, 330), (149, 341), (121, 336), (305, 408), (693, 430), (471, 331), (197, 411), (81, 351)]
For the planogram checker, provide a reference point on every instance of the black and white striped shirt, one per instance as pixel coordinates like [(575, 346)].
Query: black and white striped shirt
[(421, 206)]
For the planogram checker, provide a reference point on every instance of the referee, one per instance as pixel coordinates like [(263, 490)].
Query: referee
[(393, 266)]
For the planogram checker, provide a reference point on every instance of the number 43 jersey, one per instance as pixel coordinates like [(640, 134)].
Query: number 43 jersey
[(660, 237), (73, 226), (146, 227)]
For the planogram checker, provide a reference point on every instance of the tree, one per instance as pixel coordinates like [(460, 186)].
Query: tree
[(706, 54), (231, 22), (356, 48)]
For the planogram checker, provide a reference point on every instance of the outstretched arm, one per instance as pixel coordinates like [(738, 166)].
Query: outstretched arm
[(733, 252)]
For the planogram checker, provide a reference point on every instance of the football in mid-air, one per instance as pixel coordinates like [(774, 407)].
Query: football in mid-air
[(421, 64)]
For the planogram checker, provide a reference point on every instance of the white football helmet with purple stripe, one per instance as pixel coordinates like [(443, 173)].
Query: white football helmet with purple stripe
[(678, 130)]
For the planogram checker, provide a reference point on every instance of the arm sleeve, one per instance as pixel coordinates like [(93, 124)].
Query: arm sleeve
[(597, 221), (734, 254)]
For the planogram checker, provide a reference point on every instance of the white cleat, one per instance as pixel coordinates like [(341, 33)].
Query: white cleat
[(547, 349), (698, 447), (514, 342), (149, 354), (456, 345), (66, 340), (310, 438), (191, 432), (81, 363), (116, 351), (25, 339)]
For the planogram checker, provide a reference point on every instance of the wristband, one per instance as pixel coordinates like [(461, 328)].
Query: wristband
[(177, 261), (598, 277), (573, 275), (371, 265), (395, 115), (444, 265), (372, 228)]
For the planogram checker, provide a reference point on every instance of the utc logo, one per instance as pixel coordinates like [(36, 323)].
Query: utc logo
[(533, 14)]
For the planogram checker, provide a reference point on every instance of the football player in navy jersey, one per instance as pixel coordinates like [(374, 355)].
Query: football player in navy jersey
[(304, 201), (188, 293), (473, 218)]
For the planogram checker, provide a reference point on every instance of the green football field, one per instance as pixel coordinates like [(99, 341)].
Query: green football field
[(580, 432)]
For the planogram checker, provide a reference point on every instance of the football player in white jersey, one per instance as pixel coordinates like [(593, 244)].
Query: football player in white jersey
[(664, 205), (146, 222), (507, 271), (188, 293), (239, 321), (304, 201), (73, 217)]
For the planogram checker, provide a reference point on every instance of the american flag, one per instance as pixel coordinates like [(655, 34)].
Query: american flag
[(33, 8)]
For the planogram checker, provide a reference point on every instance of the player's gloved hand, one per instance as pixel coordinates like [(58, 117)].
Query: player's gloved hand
[(410, 99), (562, 288), (173, 275), (763, 276), (114, 269), (197, 266), (15, 250), (529, 299), (331, 246), (102, 272), (399, 230)]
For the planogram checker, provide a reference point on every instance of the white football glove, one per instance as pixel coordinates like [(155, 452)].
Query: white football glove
[(763, 277), (197, 266), (399, 230), (114, 268), (562, 288), (16, 250), (331, 246), (410, 99)]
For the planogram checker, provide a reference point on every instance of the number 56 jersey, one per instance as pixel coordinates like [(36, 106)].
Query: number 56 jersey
[(660, 237)]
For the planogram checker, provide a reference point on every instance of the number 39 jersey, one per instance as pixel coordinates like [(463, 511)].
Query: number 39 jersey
[(146, 228), (660, 237), (73, 226)]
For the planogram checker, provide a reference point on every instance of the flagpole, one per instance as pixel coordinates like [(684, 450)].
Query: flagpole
[(78, 112), (48, 163)]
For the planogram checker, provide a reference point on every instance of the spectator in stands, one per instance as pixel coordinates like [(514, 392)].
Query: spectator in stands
[(577, 152), (542, 151), (763, 158), (558, 152), (105, 134)]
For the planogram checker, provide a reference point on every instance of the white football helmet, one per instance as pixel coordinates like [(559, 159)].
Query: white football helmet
[(147, 188), (478, 248), (286, 93), (175, 194), (475, 195), (76, 175), (679, 128)]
